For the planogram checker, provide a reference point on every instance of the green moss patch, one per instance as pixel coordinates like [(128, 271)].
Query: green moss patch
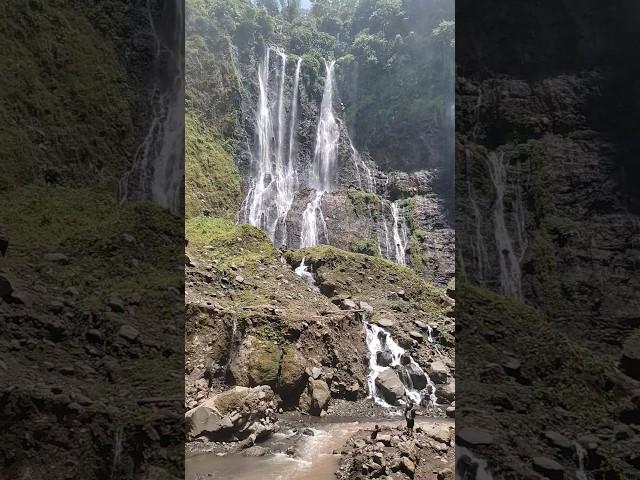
[(212, 180), (222, 240)]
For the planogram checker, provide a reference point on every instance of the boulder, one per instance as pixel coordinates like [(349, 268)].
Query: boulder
[(348, 304), (558, 440), (417, 376), (390, 386), (446, 391), (472, 436), (320, 396), (438, 371), (236, 414), (548, 467), (256, 362), (367, 308), (128, 332), (417, 336), (6, 288), (292, 371), (386, 323), (116, 304), (630, 359), (4, 240), (205, 419), (384, 358)]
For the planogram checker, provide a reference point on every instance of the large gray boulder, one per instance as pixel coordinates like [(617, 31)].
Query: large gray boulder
[(390, 386), (320, 396), (438, 372), (236, 414)]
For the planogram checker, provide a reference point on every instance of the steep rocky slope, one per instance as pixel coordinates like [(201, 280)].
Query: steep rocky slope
[(91, 295), (252, 321)]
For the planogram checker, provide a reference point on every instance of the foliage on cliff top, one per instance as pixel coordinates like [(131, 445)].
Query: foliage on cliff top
[(226, 243), (63, 98), (212, 180)]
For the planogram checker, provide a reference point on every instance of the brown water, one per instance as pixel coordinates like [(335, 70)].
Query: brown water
[(314, 459)]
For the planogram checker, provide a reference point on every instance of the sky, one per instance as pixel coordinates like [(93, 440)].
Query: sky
[(305, 3)]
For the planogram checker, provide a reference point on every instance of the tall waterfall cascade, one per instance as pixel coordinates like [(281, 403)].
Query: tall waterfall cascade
[(157, 172), (277, 175), (510, 251), (322, 178), (273, 178)]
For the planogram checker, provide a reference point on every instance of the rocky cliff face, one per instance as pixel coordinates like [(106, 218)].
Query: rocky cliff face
[(543, 215)]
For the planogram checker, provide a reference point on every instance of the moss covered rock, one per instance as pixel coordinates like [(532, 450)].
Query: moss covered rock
[(256, 362)]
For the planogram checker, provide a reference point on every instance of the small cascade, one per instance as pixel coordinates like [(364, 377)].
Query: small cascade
[(470, 467), (380, 343), (313, 223), (581, 472), (508, 259), (368, 183), (273, 179), (157, 172), (117, 452), (304, 272), (430, 333), (478, 245), (400, 236), (393, 236)]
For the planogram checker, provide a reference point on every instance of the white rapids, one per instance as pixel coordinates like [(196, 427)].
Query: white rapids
[(379, 340)]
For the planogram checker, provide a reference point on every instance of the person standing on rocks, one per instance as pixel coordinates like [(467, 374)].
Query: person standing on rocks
[(425, 395), (410, 416)]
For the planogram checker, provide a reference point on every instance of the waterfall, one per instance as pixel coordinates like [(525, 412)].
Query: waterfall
[(581, 472), (327, 136), (273, 179), (379, 340), (157, 172), (324, 167), (478, 246), (304, 272), (117, 451), (394, 237), (470, 467), (369, 183), (313, 222), (510, 273), (399, 235)]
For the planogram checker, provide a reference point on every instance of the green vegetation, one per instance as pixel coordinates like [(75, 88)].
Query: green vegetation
[(227, 243), (366, 247), (343, 264), (571, 376), (64, 100), (212, 180), (365, 203), (111, 249)]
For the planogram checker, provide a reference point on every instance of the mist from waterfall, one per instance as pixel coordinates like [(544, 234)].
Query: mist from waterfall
[(157, 172)]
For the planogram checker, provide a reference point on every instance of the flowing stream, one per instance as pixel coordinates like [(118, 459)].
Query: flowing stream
[(314, 458)]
